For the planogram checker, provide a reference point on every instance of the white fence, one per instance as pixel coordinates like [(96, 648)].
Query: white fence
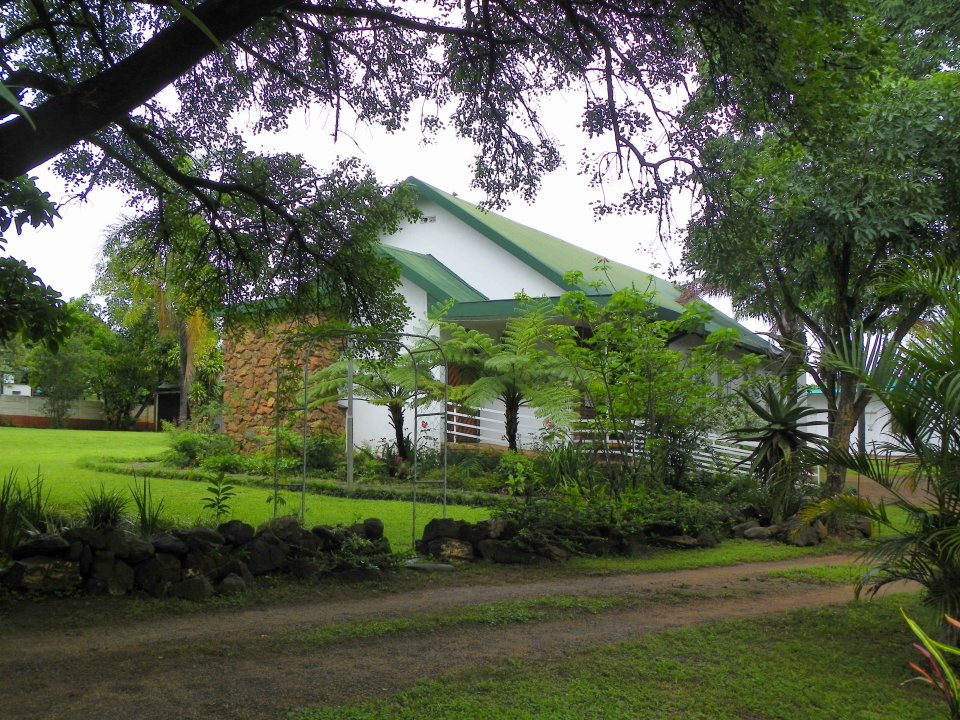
[(487, 426)]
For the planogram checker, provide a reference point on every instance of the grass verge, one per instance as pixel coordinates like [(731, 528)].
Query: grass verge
[(60, 454), (797, 666)]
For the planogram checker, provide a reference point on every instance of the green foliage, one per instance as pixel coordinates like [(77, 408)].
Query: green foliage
[(358, 553), (798, 229), (573, 521), (61, 377), (573, 466), (779, 441), (940, 673), (149, 513), (519, 474), (221, 492), (103, 508), (515, 368), (919, 384), (189, 448), (23, 509), (29, 309), (652, 406)]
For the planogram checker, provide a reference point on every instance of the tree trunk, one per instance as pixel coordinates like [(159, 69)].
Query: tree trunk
[(846, 410), (511, 412), (187, 371), (396, 422)]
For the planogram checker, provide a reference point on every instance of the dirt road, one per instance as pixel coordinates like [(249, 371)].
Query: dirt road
[(256, 663)]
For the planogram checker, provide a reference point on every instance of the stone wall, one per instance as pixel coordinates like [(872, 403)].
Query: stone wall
[(250, 384), (192, 564)]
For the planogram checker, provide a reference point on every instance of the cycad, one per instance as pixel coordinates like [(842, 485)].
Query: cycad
[(780, 437)]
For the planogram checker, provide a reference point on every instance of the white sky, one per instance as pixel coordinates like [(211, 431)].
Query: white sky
[(65, 256)]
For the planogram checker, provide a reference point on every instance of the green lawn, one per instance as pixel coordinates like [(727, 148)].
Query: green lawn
[(57, 454), (846, 662)]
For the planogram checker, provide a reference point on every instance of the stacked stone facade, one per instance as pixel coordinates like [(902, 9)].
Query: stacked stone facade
[(250, 384)]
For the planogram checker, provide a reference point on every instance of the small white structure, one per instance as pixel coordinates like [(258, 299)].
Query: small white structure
[(480, 260)]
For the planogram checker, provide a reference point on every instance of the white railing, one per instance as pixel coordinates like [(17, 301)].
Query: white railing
[(487, 426)]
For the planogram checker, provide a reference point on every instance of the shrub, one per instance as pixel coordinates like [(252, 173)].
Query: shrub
[(148, 512), (103, 508), (190, 449), (519, 474), (221, 493), (574, 520), (228, 464)]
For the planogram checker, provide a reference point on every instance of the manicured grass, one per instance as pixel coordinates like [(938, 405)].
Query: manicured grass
[(832, 575), (848, 662), (729, 552), (57, 454)]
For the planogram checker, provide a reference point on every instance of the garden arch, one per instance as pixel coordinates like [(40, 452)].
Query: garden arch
[(303, 346)]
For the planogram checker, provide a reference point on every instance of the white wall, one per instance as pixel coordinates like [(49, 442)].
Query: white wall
[(33, 406), (876, 418), (480, 262)]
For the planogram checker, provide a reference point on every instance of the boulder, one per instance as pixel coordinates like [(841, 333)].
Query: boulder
[(109, 574), (635, 546), (200, 538), (707, 539), (232, 584), (169, 545), (554, 553), (236, 533), (158, 574), (42, 574), (193, 587), (503, 529), (677, 542), (598, 546), (804, 536), (450, 550), (48, 545), (264, 557), (130, 547), (739, 530), (418, 565), (120, 581), (302, 568), (268, 536), (473, 533), (284, 528), (373, 529), (330, 538), (441, 528), (204, 563), (862, 526), (95, 538), (501, 551), (761, 533), (235, 566)]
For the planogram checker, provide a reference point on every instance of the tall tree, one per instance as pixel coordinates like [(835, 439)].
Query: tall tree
[(80, 83), (800, 236)]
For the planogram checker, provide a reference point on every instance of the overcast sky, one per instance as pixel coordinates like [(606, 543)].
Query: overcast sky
[(65, 256)]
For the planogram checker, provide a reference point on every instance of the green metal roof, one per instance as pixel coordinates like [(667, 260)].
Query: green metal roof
[(553, 258), (437, 279)]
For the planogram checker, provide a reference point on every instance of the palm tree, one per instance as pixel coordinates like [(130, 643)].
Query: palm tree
[(514, 368), (919, 384)]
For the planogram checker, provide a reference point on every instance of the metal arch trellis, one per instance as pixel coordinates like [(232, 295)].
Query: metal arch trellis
[(307, 343)]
